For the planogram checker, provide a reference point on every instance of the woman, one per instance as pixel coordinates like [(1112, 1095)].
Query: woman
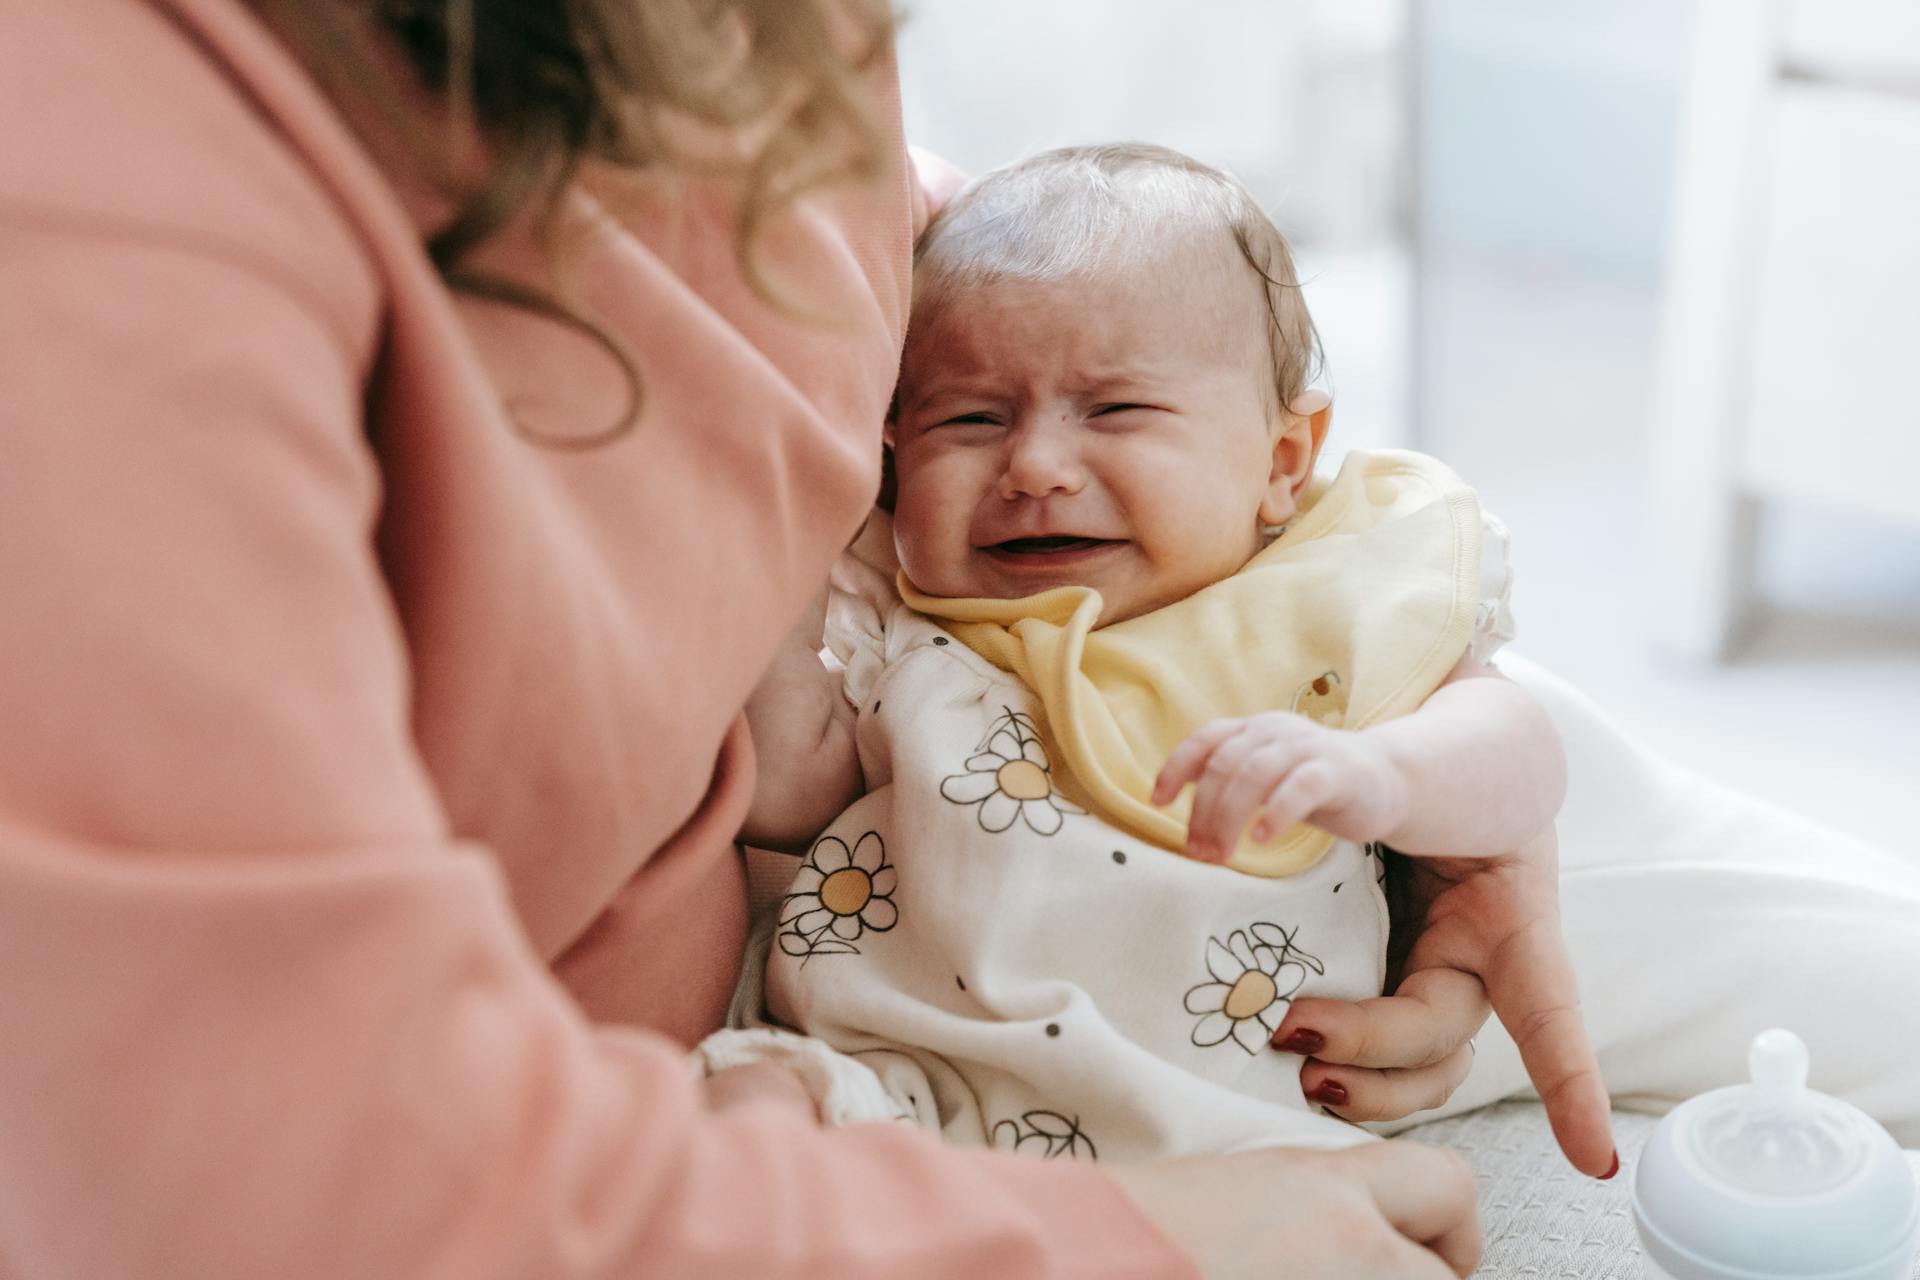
[(422, 421)]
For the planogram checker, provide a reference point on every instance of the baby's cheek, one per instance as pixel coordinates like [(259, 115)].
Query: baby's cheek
[(1203, 542), (931, 516), (925, 542)]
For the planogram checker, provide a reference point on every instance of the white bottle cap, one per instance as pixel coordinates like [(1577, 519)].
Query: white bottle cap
[(1772, 1180)]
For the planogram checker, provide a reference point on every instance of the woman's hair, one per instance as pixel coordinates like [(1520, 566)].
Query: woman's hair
[(1081, 210), (770, 86)]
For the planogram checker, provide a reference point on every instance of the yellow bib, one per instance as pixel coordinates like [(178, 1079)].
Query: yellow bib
[(1353, 615)]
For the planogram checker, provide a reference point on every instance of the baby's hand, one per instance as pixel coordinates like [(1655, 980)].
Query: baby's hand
[(1287, 769), (758, 1081)]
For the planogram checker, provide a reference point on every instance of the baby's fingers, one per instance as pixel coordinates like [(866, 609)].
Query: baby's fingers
[(1231, 788), (1305, 790), (1190, 758)]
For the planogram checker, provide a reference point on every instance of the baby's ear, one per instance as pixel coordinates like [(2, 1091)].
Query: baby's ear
[(1303, 429)]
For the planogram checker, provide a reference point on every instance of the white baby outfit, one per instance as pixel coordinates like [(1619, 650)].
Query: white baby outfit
[(1024, 972), (1018, 971)]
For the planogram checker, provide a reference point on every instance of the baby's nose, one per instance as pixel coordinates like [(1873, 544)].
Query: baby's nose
[(1039, 463)]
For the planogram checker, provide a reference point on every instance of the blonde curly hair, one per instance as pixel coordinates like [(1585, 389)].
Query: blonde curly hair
[(549, 85)]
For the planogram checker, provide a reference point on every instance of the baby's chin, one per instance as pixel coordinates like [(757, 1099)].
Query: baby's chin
[(1119, 601)]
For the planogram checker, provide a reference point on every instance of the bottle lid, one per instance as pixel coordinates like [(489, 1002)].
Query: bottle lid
[(1773, 1179)]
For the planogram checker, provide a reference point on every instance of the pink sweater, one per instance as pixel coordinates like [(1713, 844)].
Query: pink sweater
[(350, 746)]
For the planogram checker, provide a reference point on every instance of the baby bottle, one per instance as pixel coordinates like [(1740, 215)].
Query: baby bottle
[(1772, 1180)]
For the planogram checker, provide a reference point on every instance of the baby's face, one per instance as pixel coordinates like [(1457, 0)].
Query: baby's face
[(1115, 433)]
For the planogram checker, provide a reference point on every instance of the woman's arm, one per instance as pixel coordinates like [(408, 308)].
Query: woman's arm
[(270, 1017), (265, 1013)]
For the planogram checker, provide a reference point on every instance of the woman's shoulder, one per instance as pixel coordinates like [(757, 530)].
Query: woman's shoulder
[(165, 122)]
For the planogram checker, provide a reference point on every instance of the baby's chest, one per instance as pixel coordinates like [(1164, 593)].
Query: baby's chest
[(990, 832), (937, 710)]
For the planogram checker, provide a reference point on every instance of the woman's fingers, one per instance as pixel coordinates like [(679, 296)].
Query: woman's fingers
[(1390, 1056), (1501, 920), (1359, 1094), (1433, 1013), (1382, 1211), (1427, 1195), (1531, 982)]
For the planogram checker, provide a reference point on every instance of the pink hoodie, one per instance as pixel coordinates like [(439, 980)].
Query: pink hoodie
[(337, 721)]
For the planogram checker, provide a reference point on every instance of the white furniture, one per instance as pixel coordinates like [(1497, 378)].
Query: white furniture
[(1791, 329)]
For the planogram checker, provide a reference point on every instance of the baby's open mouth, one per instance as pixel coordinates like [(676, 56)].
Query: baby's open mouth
[(1048, 546)]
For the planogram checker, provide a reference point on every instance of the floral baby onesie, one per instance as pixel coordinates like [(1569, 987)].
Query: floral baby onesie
[(1022, 966)]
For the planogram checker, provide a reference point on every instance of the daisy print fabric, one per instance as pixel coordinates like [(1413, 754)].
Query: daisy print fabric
[(1254, 975), (1008, 779), (1046, 1134), (838, 895), (1021, 974)]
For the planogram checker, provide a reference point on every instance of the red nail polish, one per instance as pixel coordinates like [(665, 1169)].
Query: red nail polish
[(1615, 1169), (1330, 1092), (1303, 1042)]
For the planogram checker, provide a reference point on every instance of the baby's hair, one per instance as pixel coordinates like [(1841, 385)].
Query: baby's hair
[(1078, 210)]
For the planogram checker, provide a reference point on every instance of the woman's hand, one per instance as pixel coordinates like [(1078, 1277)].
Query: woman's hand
[(1472, 930), (1386, 1209)]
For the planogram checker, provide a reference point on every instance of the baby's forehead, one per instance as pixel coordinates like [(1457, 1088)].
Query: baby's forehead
[(1150, 255), (1184, 296)]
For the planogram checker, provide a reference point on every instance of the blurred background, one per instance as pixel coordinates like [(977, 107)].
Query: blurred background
[(1646, 273)]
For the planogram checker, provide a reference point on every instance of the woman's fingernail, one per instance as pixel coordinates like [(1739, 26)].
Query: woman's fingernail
[(1330, 1092), (1303, 1042), (1615, 1169)]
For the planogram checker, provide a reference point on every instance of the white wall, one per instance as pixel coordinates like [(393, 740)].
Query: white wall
[(1296, 96), (1547, 128), (1548, 132), (1302, 99)]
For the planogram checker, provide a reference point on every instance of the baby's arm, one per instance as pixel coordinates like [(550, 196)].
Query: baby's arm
[(802, 732), (1483, 769), (1478, 769)]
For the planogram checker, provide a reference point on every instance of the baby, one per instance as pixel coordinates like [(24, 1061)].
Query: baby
[(1118, 578)]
